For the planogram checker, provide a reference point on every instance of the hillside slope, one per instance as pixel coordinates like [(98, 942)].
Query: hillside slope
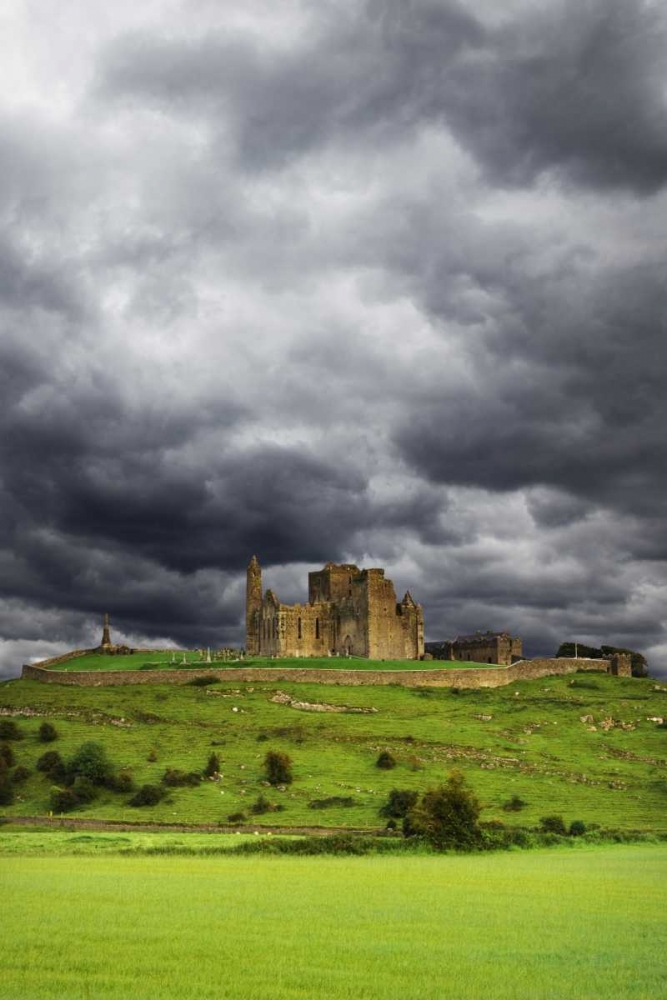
[(581, 746)]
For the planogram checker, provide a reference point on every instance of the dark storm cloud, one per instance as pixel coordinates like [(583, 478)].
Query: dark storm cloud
[(568, 394), (576, 88)]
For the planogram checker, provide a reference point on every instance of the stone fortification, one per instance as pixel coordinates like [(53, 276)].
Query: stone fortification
[(349, 612), (488, 677)]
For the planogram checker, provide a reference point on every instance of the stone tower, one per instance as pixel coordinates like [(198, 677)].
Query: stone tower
[(253, 607), (106, 634)]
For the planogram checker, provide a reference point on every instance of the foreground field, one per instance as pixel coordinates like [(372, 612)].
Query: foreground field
[(558, 924)]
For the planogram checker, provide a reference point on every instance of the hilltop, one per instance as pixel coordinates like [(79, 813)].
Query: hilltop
[(583, 746)]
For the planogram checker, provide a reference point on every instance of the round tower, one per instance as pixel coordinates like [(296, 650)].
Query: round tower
[(253, 607)]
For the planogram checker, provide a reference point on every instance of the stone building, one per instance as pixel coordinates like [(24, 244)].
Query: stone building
[(349, 612), (480, 647)]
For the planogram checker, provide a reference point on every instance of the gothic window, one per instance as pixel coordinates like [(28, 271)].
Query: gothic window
[(298, 628), (317, 628)]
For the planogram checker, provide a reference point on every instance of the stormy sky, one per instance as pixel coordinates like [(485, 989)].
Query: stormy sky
[(377, 281)]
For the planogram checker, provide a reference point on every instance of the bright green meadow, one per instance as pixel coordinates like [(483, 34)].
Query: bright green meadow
[(582, 746), (540, 925)]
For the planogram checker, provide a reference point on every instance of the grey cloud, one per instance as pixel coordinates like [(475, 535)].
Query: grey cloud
[(578, 89)]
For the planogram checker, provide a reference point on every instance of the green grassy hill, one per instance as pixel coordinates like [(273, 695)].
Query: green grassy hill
[(581, 746), (175, 660)]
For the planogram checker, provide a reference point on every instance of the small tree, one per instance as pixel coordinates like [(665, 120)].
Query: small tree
[(47, 733), (7, 754), (9, 730), (6, 785), (90, 761), (386, 760), (278, 768), (448, 816), (399, 803), (52, 764), (213, 766), (553, 824)]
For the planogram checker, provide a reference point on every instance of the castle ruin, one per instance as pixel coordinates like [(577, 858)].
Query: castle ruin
[(350, 612)]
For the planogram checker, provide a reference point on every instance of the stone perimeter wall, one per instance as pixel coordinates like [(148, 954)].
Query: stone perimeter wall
[(489, 677)]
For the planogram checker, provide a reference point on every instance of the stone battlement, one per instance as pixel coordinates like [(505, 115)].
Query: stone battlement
[(483, 677)]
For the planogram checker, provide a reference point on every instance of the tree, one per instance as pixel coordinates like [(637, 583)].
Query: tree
[(638, 662), (278, 768), (213, 766), (47, 733), (447, 816), (90, 761)]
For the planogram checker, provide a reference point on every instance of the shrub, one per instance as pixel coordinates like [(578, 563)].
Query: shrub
[(201, 682), (148, 795), (447, 816), (47, 733), (237, 817), (9, 730), (120, 782), (52, 764), (6, 785), (152, 756), (260, 806), (386, 761), (553, 824), (515, 804), (179, 779), (213, 766), (262, 737), (84, 789), (7, 754), (577, 828), (20, 774), (63, 800), (278, 768), (90, 761), (333, 800), (399, 803)]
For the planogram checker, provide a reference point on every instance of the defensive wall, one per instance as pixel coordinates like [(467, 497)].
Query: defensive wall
[(483, 677)]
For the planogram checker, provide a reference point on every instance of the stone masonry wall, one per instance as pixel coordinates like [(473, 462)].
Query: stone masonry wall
[(489, 677)]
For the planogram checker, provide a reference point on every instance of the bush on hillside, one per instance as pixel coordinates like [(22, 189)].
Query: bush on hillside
[(577, 828), (20, 774), (120, 782), (278, 768), (47, 733), (333, 801), (6, 784), (201, 682), (386, 761), (63, 800), (7, 754), (237, 817), (212, 766), (399, 803), (553, 824), (447, 816), (9, 730), (90, 761), (52, 765), (515, 804), (148, 795), (174, 778), (84, 789)]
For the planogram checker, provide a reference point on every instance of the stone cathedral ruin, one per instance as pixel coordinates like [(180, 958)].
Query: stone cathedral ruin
[(349, 612)]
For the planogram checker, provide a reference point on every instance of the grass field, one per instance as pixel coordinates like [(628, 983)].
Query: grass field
[(173, 660), (527, 739), (560, 925)]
